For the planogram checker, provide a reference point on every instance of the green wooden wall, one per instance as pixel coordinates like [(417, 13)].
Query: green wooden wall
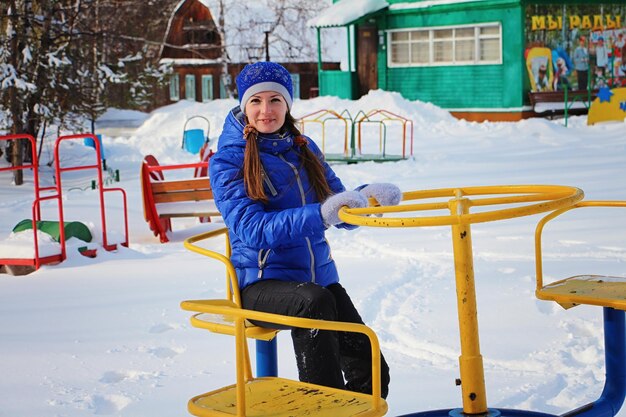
[(460, 87)]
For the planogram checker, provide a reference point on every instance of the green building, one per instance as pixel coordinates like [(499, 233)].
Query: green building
[(478, 59)]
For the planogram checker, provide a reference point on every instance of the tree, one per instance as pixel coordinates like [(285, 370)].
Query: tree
[(60, 57), (242, 26), (284, 20)]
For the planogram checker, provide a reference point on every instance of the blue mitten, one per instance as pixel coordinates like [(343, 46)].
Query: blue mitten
[(330, 207), (385, 194)]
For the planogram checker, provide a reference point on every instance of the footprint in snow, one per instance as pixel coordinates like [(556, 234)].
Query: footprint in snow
[(161, 328), (165, 352), (107, 404)]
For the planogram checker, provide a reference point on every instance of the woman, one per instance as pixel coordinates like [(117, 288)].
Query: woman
[(541, 82), (560, 77), (277, 196)]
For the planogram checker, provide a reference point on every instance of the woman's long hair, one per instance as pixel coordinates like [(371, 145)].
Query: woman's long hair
[(253, 170)]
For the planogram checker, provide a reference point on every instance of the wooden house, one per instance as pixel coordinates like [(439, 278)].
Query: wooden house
[(194, 47), (476, 58)]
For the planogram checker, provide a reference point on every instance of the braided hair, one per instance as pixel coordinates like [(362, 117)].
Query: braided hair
[(253, 169)]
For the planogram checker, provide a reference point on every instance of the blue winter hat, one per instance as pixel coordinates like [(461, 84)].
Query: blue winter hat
[(264, 76)]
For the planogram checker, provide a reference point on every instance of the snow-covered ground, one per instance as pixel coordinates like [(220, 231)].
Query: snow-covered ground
[(106, 336)]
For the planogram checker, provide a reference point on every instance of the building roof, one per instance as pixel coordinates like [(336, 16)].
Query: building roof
[(425, 4), (346, 12)]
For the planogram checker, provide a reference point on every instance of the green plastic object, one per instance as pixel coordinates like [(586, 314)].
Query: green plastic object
[(72, 229)]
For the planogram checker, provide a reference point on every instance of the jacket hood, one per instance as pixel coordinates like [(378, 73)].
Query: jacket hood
[(232, 135)]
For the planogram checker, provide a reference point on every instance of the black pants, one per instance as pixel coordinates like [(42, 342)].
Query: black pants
[(323, 357), (583, 79)]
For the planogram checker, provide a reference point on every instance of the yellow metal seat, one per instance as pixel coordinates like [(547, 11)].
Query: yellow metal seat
[(271, 396), (599, 290), (225, 325), (278, 397)]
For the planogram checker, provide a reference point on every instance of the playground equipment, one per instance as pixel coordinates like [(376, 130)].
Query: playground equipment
[(354, 134), (52, 228), (610, 105), (37, 259), (519, 201), (382, 118), (322, 118), (599, 290), (112, 175), (56, 194), (92, 144), (59, 170), (166, 199), (452, 207), (270, 395), (195, 139)]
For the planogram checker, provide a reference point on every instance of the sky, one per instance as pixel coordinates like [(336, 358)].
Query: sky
[(106, 335)]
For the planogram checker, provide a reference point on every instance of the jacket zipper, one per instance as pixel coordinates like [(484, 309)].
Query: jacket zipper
[(266, 180), (303, 199), (262, 259)]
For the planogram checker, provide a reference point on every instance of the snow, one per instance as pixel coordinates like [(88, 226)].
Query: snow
[(428, 3), (106, 335), (346, 11), (189, 61)]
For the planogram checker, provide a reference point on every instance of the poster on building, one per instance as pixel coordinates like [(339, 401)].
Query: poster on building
[(577, 47)]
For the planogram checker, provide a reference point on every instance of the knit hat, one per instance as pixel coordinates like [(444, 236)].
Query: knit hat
[(264, 76)]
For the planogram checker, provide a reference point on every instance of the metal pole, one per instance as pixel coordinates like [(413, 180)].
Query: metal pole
[(266, 358), (267, 46), (470, 361)]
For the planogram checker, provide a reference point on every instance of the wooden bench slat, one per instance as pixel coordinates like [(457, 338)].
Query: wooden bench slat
[(190, 184), (189, 214), (178, 196), (204, 208)]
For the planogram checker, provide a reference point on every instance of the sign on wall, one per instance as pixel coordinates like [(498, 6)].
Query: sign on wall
[(575, 46)]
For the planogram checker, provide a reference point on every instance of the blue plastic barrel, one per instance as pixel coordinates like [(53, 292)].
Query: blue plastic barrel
[(193, 140)]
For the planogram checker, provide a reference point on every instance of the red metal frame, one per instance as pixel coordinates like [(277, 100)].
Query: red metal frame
[(387, 115), (151, 170), (100, 184), (37, 261)]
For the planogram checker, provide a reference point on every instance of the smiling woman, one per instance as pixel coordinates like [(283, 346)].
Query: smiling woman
[(277, 196), (266, 111)]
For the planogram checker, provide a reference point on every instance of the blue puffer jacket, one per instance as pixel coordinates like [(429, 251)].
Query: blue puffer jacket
[(283, 239)]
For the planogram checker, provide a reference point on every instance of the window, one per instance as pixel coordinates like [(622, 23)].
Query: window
[(207, 88), (200, 32), (295, 81), (190, 87), (489, 41), (174, 88), (225, 80), (462, 45)]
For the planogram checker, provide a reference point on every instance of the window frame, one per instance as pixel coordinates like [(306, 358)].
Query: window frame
[(190, 81), (174, 87), (207, 93), (295, 82), (432, 41)]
